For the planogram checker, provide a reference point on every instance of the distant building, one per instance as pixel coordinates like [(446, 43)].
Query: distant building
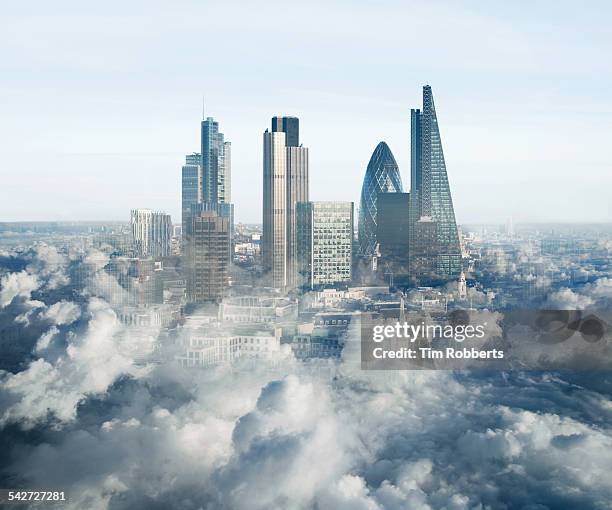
[(125, 282), (151, 233), (210, 346), (285, 183), (462, 287), (207, 256), (324, 243), (257, 309)]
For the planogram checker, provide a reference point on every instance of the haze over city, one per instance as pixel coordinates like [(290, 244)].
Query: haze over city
[(98, 115)]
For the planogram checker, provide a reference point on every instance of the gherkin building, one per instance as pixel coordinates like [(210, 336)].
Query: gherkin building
[(382, 176)]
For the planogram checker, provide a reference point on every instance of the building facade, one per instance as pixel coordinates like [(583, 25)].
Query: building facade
[(151, 233), (216, 163), (191, 184), (210, 347), (207, 256), (324, 243), (382, 176), (392, 235), (431, 200), (285, 183)]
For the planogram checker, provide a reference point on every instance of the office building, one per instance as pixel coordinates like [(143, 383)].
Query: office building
[(430, 198), (392, 235), (382, 176), (207, 256), (191, 184), (324, 243), (151, 233), (216, 163), (285, 183)]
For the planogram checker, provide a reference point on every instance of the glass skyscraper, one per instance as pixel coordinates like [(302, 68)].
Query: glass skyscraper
[(216, 163), (191, 184), (430, 197), (382, 176)]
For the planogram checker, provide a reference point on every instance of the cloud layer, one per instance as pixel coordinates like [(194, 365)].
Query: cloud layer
[(82, 414)]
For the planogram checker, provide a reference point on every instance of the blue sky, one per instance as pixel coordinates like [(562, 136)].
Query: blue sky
[(101, 102)]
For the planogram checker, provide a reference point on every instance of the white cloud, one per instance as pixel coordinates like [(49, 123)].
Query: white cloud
[(63, 312), (20, 284)]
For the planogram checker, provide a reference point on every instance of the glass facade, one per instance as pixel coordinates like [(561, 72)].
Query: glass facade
[(216, 186), (290, 126), (324, 243), (393, 235), (430, 196), (191, 184), (382, 176)]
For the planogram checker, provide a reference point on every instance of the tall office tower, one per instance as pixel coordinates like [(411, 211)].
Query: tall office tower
[(382, 176), (324, 243), (207, 256), (151, 233), (392, 235), (285, 183), (431, 200), (191, 184), (216, 163)]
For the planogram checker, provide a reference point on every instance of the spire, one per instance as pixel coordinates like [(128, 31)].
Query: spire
[(203, 116)]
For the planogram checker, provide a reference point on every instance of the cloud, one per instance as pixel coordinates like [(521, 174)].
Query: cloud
[(62, 312), (91, 362), (81, 413), (567, 299), (14, 285)]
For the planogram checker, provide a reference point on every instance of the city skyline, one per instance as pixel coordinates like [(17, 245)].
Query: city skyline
[(506, 104)]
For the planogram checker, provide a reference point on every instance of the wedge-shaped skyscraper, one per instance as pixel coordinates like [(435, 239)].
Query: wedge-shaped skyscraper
[(434, 240), (382, 176)]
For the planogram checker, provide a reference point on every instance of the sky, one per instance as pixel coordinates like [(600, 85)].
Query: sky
[(100, 102)]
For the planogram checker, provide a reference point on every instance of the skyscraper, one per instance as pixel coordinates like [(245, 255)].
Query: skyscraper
[(392, 235), (285, 183), (191, 184), (151, 233), (216, 163), (207, 256), (324, 243), (382, 176), (431, 201)]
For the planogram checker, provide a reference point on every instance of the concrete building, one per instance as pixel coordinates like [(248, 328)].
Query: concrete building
[(257, 309), (151, 233), (205, 347)]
